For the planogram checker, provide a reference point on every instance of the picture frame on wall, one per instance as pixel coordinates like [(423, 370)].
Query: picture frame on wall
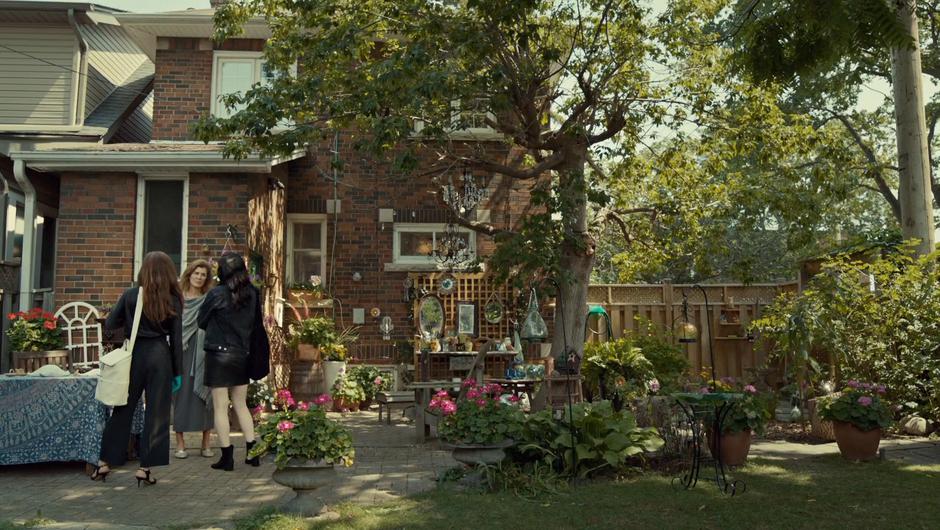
[(467, 318)]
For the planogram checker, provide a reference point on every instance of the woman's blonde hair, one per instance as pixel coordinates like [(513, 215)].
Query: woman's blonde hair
[(196, 264)]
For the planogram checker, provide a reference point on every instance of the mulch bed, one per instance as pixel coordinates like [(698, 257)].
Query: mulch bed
[(790, 432)]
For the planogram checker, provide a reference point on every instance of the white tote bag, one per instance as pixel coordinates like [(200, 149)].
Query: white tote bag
[(115, 366)]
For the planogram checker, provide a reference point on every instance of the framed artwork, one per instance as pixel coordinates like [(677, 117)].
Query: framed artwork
[(467, 318)]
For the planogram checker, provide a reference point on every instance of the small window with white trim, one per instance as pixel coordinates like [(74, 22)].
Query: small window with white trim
[(414, 243), (306, 248), (238, 72)]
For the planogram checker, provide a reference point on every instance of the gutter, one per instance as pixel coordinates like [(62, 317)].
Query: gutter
[(29, 235), (82, 81)]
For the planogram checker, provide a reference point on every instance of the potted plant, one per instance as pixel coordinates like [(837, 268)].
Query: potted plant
[(858, 415), (371, 382), (35, 333), (306, 444), (479, 426), (346, 393), (310, 292), (747, 416), (311, 334)]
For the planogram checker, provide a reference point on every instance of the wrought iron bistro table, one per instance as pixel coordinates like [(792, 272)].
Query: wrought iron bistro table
[(704, 415)]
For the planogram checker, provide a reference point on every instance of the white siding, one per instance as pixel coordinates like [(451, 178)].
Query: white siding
[(36, 85), (112, 58)]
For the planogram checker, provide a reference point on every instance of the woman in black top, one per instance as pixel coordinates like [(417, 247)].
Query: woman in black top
[(229, 314), (155, 368)]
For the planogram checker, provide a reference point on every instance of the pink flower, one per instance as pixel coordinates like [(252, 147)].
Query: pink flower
[(378, 381), (750, 389), (853, 384), (448, 408), (481, 403), (653, 385), (257, 410), (321, 399), (469, 382), (284, 394), (882, 389), (285, 426), (513, 399), (290, 402), (493, 388), (442, 393), (473, 393), (864, 401), (303, 406)]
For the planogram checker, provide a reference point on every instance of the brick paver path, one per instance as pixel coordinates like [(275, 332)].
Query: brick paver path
[(388, 465)]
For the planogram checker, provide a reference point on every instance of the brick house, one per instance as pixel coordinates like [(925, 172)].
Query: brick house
[(361, 229)]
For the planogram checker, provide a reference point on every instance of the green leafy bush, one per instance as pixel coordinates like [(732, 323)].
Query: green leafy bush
[(616, 370), (370, 379), (302, 431), (670, 363), (315, 331), (605, 438), (347, 389), (859, 404), (878, 321), (34, 330)]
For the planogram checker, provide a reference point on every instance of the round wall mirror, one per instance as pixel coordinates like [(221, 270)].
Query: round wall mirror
[(430, 317)]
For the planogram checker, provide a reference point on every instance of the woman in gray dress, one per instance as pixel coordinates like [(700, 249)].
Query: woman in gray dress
[(191, 412)]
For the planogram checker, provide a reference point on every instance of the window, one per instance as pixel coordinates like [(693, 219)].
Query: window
[(414, 243), (306, 247), (237, 72), (468, 119), (162, 218)]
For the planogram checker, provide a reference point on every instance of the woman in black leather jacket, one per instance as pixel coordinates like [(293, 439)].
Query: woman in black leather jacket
[(229, 314)]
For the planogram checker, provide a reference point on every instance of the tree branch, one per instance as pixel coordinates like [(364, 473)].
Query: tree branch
[(875, 170)]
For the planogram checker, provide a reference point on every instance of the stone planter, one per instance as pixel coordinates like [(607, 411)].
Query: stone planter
[(735, 447), (304, 477), (474, 455), (856, 444), (331, 370)]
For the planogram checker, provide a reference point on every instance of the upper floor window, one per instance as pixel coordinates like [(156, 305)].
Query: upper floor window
[(469, 119), (237, 72)]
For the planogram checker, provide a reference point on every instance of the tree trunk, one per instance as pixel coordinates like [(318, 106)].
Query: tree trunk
[(575, 263), (914, 192)]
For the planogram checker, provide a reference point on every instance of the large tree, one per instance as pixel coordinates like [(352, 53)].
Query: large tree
[(792, 41), (561, 81)]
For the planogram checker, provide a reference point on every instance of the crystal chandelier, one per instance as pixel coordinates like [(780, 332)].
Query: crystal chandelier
[(464, 202), (452, 247)]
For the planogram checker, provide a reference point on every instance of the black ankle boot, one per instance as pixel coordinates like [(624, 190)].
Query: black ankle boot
[(227, 461), (255, 461)]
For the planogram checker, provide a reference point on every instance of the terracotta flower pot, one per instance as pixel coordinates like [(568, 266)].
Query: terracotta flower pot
[(735, 447), (307, 352), (856, 444)]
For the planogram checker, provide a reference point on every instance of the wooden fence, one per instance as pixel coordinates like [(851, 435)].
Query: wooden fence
[(657, 309)]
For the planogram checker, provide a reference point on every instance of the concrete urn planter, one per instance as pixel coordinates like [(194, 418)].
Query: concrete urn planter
[(474, 454), (304, 477)]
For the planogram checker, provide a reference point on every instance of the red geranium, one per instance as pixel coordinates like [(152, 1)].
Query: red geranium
[(33, 330)]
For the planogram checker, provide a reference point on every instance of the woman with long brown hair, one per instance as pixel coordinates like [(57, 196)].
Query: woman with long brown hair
[(155, 368), (190, 405)]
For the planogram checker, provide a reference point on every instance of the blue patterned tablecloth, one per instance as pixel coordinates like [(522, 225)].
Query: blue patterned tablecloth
[(52, 419)]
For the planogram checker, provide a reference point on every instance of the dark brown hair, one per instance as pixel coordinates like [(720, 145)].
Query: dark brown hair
[(199, 263), (161, 288)]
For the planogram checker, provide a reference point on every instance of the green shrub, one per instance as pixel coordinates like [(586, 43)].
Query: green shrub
[(605, 439), (616, 370)]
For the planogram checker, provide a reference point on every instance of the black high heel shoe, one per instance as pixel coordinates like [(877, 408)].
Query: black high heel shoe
[(97, 474), (145, 479)]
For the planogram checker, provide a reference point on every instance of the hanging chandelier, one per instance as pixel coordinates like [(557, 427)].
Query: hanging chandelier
[(464, 202), (452, 247)]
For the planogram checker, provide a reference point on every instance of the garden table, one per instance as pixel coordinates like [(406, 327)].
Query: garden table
[(52, 419), (704, 415)]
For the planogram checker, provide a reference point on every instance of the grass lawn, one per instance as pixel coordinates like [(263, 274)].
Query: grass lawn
[(824, 492)]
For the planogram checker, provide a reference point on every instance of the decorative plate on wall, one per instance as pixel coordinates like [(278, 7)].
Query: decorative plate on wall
[(446, 284)]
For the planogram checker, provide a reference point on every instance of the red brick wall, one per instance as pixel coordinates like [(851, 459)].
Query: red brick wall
[(95, 254), (97, 219)]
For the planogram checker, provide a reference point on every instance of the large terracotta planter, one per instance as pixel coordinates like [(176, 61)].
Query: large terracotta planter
[(856, 444), (473, 454), (735, 447), (304, 477)]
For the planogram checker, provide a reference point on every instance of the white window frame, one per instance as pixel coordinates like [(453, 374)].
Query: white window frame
[(302, 218), (474, 131), (218, 57), (435, 228), (139, 225)]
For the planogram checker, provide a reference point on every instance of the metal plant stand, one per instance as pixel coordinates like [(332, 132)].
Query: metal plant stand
[(704, 414)]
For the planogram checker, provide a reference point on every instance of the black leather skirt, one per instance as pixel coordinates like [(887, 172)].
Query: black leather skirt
[(226, 366)]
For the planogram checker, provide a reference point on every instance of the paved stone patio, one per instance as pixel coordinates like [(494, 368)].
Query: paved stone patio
[(389, 464)]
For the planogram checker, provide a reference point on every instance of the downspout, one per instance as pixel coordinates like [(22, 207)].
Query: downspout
[(82, 81), (29, 235)]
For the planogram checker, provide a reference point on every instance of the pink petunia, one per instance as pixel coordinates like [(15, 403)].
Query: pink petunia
[(750, 389), (864, 401), (302, 406), (285, 426), (321, 399)]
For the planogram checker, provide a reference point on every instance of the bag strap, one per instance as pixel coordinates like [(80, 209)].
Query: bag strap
[(137, 312)]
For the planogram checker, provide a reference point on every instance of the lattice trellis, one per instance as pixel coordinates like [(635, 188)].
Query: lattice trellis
[(471, 287)]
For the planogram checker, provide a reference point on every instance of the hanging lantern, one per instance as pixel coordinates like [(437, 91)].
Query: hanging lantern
[(386, 327), (684, 329), (533, 327)]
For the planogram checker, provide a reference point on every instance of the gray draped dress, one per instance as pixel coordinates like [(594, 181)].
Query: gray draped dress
[(191, 408)]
